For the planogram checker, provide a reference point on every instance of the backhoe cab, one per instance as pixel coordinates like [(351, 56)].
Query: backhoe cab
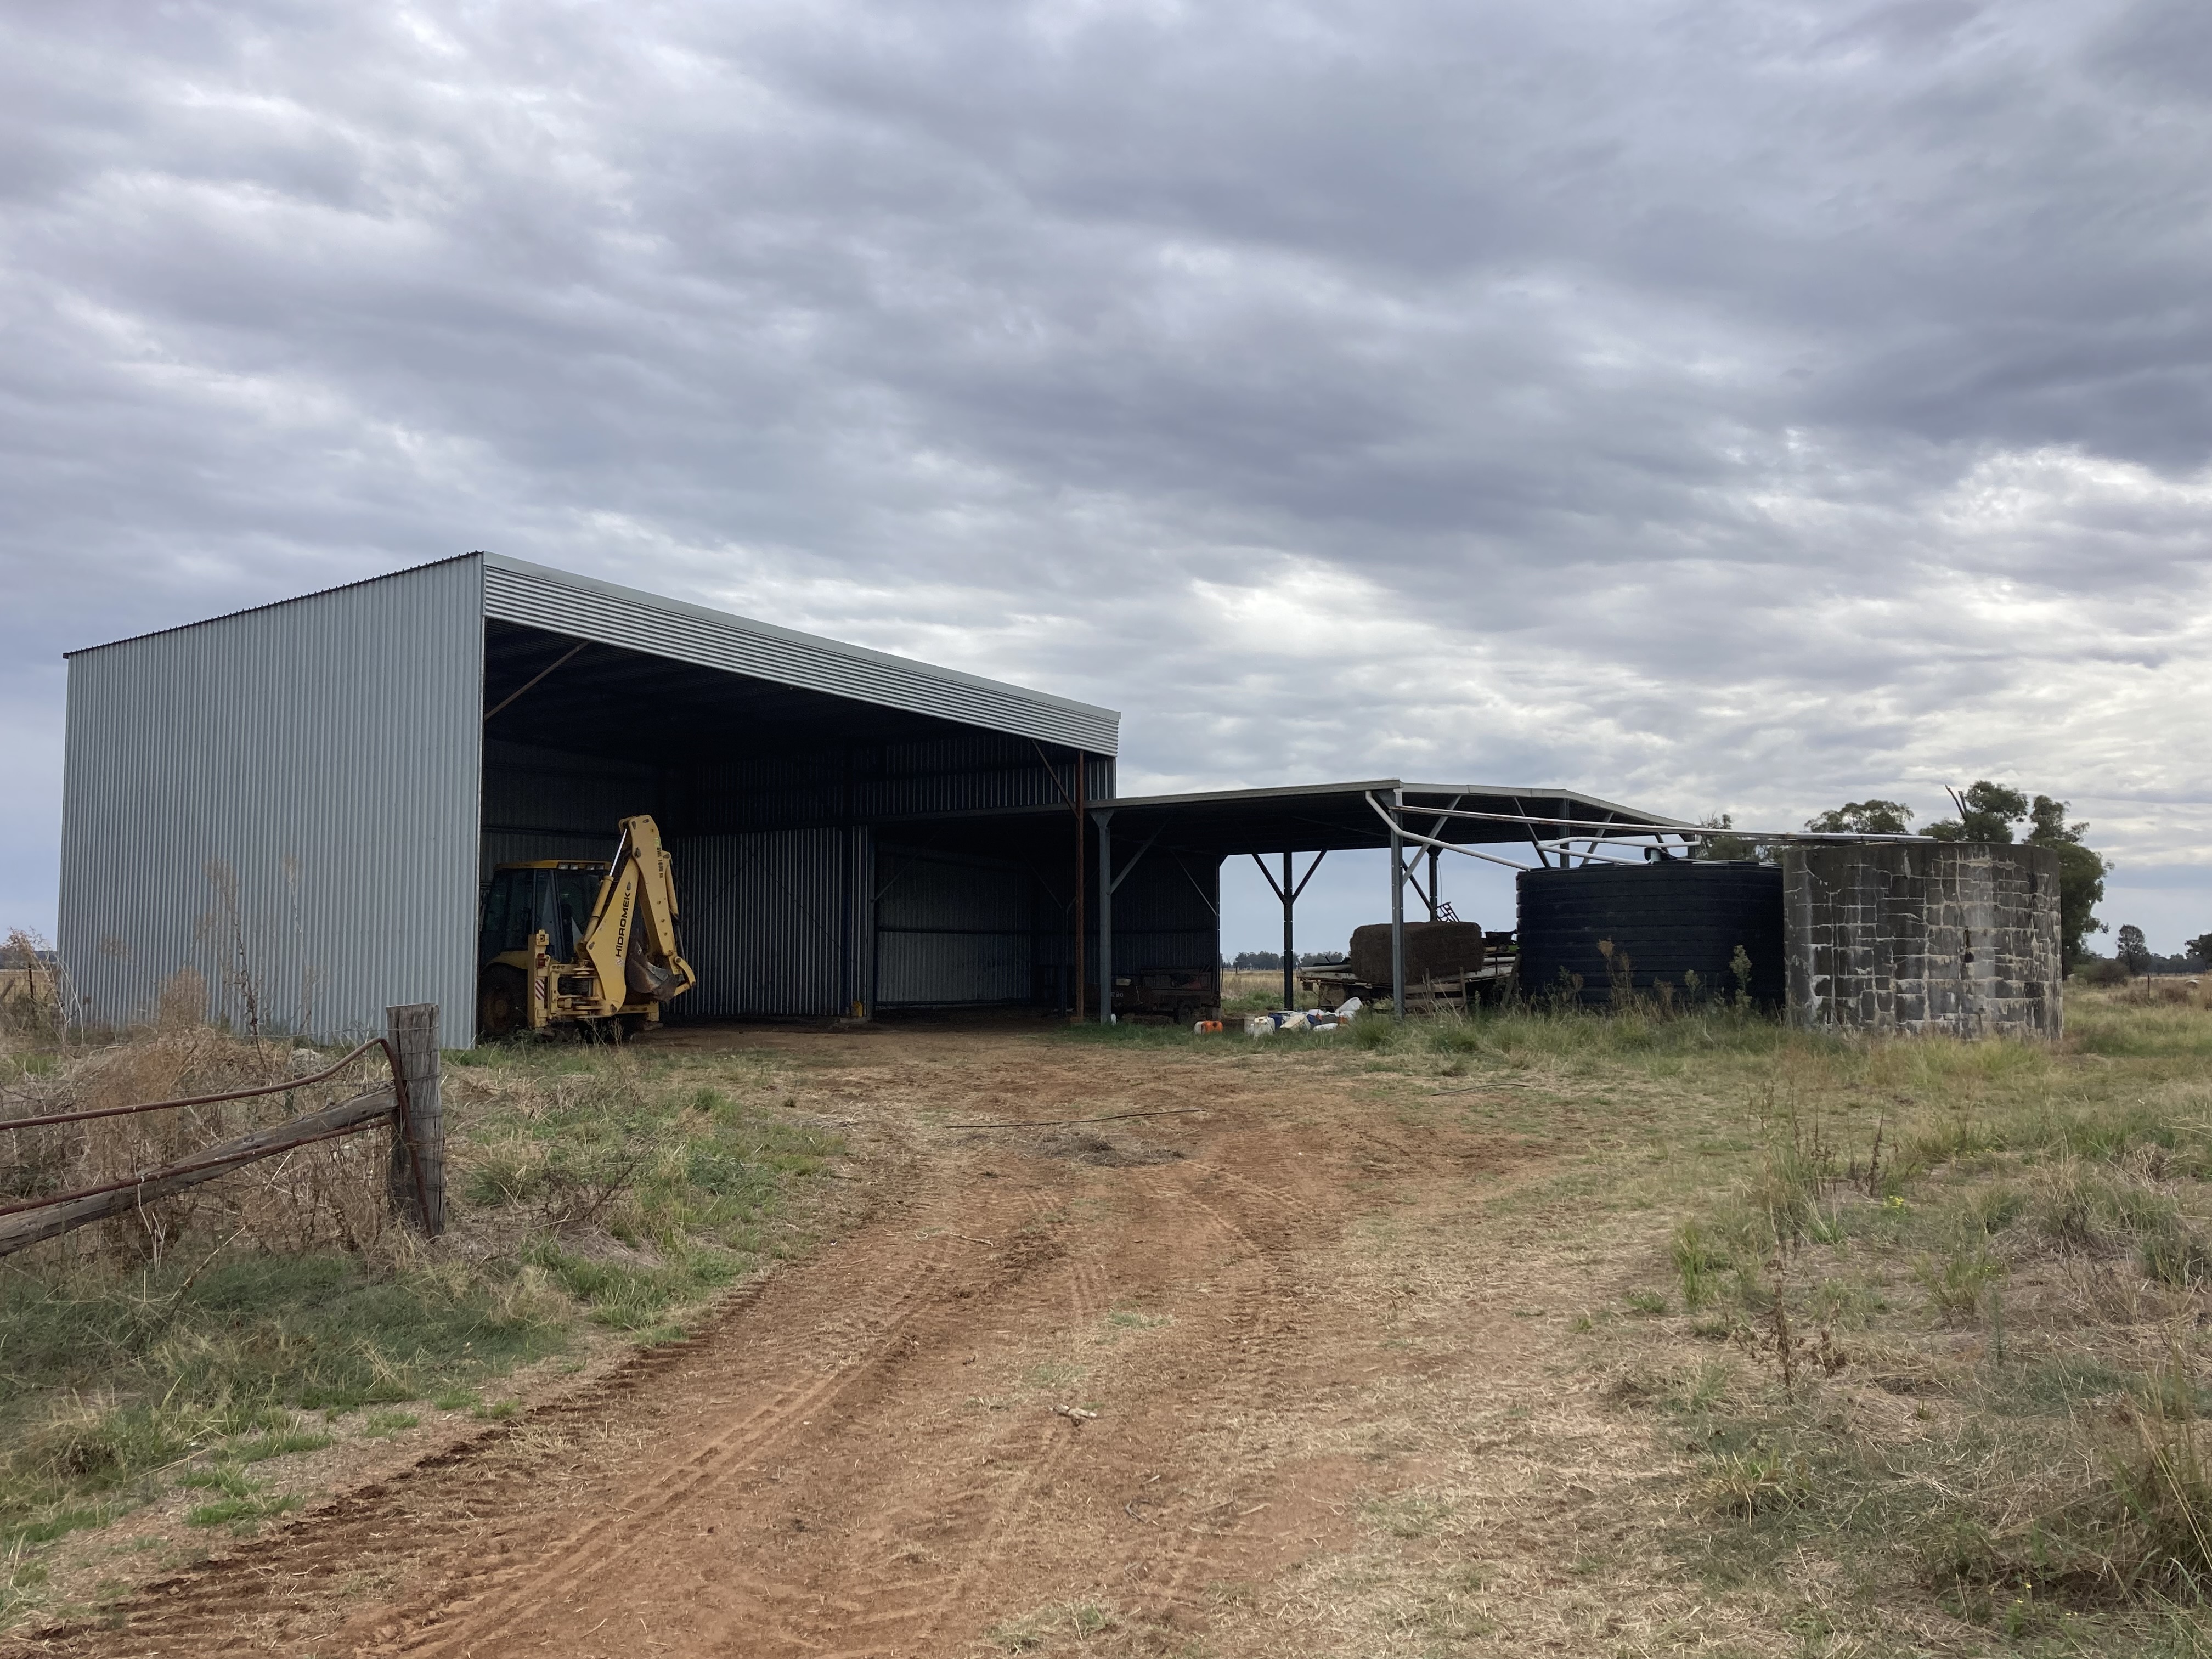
[(574, 941)]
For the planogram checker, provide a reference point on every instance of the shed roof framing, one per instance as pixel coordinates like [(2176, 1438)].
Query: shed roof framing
[(1342, 817)]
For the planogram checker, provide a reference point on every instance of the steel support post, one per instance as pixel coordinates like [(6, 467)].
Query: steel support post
[(1290, 950), (1104, 821), (1397, 919), (1434, 854)]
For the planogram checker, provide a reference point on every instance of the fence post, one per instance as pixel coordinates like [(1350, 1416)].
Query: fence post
[(417, 1176)]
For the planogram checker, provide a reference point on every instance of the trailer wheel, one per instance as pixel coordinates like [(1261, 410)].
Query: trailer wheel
[(501, 992)]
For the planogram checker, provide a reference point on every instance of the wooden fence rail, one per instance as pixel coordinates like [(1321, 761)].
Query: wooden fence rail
[(416, 1181)]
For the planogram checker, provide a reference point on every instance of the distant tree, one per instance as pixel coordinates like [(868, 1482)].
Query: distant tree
[(1725, 846), (2200, 950), (1987, 811), (2132, 949), (2081, 875), (1864, 818), (1271, 962)]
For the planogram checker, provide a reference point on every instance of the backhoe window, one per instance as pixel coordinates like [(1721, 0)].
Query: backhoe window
[(521, 902), (506, 914), (576, 890)]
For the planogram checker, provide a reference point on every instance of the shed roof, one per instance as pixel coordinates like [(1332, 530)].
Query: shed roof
[(582, 607), (529, 604), (1309, 817), (1333, 816)]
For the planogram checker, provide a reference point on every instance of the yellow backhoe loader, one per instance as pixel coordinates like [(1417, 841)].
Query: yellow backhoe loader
[(576, 942)]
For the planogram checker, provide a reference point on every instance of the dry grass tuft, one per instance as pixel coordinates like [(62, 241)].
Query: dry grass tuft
[(329, 1195)]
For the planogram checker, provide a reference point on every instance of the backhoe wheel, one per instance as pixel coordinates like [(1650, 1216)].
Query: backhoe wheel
[(501, 1010)]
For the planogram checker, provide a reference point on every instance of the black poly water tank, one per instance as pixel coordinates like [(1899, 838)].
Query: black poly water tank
[(1672, 918)]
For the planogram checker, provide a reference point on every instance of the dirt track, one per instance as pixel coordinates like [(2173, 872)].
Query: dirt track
[(862, 1455)]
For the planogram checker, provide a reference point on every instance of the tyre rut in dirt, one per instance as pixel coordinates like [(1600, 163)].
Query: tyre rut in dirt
[(898, 1613), (492, 1593), (1245, 1388)]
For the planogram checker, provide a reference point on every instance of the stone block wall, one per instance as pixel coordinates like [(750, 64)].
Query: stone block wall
[(1914, 937)]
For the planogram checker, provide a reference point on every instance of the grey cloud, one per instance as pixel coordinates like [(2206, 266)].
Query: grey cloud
[(1712, 404)]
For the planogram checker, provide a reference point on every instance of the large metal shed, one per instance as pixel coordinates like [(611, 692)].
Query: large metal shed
[(300, 801)]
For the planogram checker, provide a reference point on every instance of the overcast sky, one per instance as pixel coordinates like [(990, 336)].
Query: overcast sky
[(1723, 406)]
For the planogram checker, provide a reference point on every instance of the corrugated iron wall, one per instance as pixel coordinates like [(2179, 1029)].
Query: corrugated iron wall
[(548, 804), (866, 783), (1166, 915), (1162, 916), (774, 922), (285, 800), (951, 930), (787, 920)]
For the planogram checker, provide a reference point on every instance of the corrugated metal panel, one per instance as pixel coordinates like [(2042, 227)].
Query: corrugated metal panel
[(951, 930), (550, 804), (1165, 916), (530, 789), (937, 970), (322, 758), (880, 783), (576, 605), (773, 922), (970, 774)]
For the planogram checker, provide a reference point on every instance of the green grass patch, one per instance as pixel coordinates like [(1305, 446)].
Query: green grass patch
[(263, 1447), (241, 1513)]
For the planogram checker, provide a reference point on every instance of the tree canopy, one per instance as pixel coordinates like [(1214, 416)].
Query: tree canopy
[(1987, 811), (1864, 818), (1726, 847)]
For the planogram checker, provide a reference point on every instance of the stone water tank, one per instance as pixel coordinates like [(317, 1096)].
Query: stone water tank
[(1912, 937)]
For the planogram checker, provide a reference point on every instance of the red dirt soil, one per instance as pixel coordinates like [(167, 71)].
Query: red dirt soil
[(870, 1452)]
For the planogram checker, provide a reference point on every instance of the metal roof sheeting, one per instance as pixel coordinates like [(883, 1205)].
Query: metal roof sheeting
[(584, 609)]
